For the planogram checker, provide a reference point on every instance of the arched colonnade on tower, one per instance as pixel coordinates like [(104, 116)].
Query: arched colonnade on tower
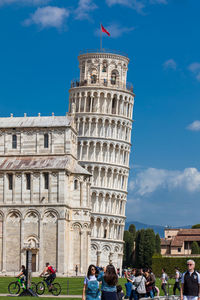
[(104, 127), (108, 203), (120, 104), (108, 177), (104, 151), (107, 228)]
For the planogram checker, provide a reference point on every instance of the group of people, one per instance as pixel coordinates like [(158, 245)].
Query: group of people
[(140, 283), (110, 290)]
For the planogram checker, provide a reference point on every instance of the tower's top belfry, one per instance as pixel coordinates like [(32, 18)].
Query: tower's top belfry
[(103, 70)]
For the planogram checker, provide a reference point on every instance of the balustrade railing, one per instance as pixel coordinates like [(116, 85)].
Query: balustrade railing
[(105, 83), (103, 51)]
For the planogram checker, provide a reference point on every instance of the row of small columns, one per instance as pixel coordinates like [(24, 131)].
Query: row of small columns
[(116, 180), (92, 104), (111, 155), (108, 205), (111, 230), (103, 128)]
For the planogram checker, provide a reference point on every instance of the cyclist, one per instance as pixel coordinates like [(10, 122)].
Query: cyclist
[(51, 275), (22, 275)]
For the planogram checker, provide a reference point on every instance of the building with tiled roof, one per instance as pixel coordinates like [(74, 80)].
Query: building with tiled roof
[(179, 241)]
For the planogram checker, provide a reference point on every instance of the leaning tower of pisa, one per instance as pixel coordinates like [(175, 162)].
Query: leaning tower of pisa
[(103, 105)]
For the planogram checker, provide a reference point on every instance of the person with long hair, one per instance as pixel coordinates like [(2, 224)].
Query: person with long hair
[(91, 285), (140, 284), (109, 281)]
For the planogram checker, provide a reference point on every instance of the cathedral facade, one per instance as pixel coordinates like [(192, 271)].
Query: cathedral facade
[(63, 180)]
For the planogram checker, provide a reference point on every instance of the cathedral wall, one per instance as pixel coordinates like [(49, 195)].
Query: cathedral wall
[(50, 238), (31, 226), (13, 239), (30, 141), (44, 196)]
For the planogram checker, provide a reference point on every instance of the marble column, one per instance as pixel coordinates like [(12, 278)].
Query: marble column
[(98, 258), (82, 252), (81, 151), (41, 247), (22, 242), (61, 245)]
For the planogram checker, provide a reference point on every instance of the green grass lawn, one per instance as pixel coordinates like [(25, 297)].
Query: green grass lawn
[(73, 286)]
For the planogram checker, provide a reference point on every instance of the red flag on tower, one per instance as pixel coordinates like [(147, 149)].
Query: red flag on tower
[(104, 30)]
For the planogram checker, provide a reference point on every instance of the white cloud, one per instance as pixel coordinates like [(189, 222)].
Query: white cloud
[(24, 2), (84, 9), (170, 64), (148, 181), (49, 16), (137, 5), (115, 30), (194, 126), (195, 69), (158, 1)]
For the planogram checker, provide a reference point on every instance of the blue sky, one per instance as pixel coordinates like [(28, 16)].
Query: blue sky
[(39, 44)]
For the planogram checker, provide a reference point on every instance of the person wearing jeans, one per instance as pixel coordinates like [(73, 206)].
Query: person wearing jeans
[(164, 282), (149, 284)]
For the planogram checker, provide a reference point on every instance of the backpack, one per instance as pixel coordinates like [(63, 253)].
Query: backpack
[(93, 287)]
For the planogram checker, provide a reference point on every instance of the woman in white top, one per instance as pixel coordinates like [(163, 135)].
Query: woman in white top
[(91, 285)]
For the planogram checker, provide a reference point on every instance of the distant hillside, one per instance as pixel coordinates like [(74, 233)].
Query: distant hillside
[(157, 228)]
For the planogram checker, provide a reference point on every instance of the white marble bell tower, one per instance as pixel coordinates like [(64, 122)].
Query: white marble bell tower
[(103, 104)]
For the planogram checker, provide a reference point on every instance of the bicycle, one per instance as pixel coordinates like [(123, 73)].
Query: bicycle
[(15, 286), (40, 287)]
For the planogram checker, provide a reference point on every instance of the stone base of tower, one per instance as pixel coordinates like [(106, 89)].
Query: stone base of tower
[(105, 251)]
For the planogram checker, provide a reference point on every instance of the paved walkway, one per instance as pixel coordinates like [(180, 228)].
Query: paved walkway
[(47, 296)]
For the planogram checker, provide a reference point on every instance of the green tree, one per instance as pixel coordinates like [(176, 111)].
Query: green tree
[(157, 244), (139, 249), (149, 247), (146, 245), (128, 248), (195, 248), (196, 226), (132, 230)]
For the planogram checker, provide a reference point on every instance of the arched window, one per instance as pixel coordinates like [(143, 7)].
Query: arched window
[(46, 140), (75, 184), (46, 181), (114, 77), (14, 141), (104, 68), (28, 181), (114, 104), (10, 181), (93, 78)]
